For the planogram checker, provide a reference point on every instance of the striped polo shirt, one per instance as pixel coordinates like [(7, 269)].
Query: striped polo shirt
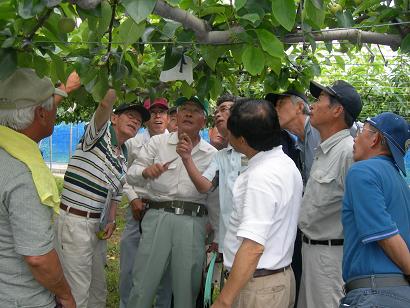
[(94, 169)]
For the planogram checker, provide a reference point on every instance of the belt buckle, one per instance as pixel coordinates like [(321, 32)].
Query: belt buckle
[(178, 210)]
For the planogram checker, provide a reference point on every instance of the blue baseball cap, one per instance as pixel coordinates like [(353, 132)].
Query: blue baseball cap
[(396, 131)]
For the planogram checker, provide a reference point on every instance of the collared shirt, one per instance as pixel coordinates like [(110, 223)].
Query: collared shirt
[(94, 169), (134, 146), (307, 148), (376, 206), (228, 163), (266, 203), (320, 215), (25, 230), (175, 183)]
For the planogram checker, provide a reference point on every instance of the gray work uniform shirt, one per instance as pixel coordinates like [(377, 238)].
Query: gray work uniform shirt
[(25, 230), (320, 215)]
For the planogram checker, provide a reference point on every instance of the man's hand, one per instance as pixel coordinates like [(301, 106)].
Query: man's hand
[(73, 82), (137, 206), (66, 303), (110, 97), (220, 304), (109, 230), (184, 146), (154, 171), (213, 247)]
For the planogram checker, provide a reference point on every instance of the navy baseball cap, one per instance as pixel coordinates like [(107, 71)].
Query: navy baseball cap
[(274, 97), (344, 92), (145, 115), (396, 131)]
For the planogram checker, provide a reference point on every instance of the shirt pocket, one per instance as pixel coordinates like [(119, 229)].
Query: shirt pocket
[(325, 189)]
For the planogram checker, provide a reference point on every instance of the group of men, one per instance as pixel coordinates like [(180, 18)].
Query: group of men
[(352, 219)]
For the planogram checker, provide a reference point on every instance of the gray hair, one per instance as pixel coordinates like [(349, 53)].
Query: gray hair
[(19, 119), (295, 99)]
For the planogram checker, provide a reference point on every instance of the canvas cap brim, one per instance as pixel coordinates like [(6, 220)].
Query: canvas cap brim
[(145, 115), (317, 88), (397, 154), (60, 92)]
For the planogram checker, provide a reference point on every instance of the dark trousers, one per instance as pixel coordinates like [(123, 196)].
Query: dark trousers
[(297, 262)]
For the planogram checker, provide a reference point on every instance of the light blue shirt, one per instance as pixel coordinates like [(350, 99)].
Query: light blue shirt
[(307, 148), (230, 164)]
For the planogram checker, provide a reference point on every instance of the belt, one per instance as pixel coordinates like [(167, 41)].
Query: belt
[(79, 212), (179, 207), (262, 272), (338, 242), (376, 281)]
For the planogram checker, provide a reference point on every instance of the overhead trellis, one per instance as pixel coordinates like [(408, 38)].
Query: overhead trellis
[(246, 47)]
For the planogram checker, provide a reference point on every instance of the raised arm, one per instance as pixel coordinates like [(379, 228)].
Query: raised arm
[(184, 149), (104, 109)]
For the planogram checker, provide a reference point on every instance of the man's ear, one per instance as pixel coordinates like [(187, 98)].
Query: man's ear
[(300, 107), (114, 119), (40, 115)]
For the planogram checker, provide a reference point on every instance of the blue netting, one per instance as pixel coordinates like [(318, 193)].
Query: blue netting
[(56, 149)]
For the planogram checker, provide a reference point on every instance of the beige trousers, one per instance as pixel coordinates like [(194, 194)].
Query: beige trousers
[(321, 284), (273, 291), (83, 257)]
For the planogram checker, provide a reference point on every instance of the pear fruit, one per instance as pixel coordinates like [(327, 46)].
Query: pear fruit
[(334, 8), (66, 24), (100, 234)]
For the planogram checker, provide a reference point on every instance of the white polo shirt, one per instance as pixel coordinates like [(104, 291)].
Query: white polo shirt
[(266, 203)]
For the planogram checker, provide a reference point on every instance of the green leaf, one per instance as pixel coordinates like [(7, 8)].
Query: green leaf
[(101, 85), (275, 64), (172, 57), (58, 67), (216, 87), (270, 43), (405, 44), (130, 32), (253, 17), (41, 66), (340, 62), (8, 42), (211, 54), (105, 18), (344, 19), (139, 9), (284, 12), (8, 62), (203, 86), (253, 60), (313, 15), (239, 4), (186, 89)]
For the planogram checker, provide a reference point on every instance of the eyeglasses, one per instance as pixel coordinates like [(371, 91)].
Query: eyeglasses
[(360, 130)]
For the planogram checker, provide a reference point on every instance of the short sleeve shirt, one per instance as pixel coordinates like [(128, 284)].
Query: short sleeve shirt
[(94, 170), (320, 214), (25, 230), (266, 203), (376, 206)]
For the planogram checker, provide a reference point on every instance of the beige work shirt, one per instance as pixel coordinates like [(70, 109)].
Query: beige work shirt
[(175, 183), (320, 215)]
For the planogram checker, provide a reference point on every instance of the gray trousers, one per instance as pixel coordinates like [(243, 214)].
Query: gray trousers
[(130, 239), (174, 241)]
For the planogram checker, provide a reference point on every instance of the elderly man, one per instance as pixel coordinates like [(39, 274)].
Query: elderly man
[(223, 170), (92, 189), (334, 112), (172, 120), (266, 203), (131, 235), (293, 112), (173, 228), (376, 217), (30, 271)]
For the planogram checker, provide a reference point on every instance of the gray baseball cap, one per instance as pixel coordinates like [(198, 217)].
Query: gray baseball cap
[(25, 89)]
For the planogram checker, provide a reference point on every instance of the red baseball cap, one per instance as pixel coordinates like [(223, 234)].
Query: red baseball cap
[(158, 102)]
